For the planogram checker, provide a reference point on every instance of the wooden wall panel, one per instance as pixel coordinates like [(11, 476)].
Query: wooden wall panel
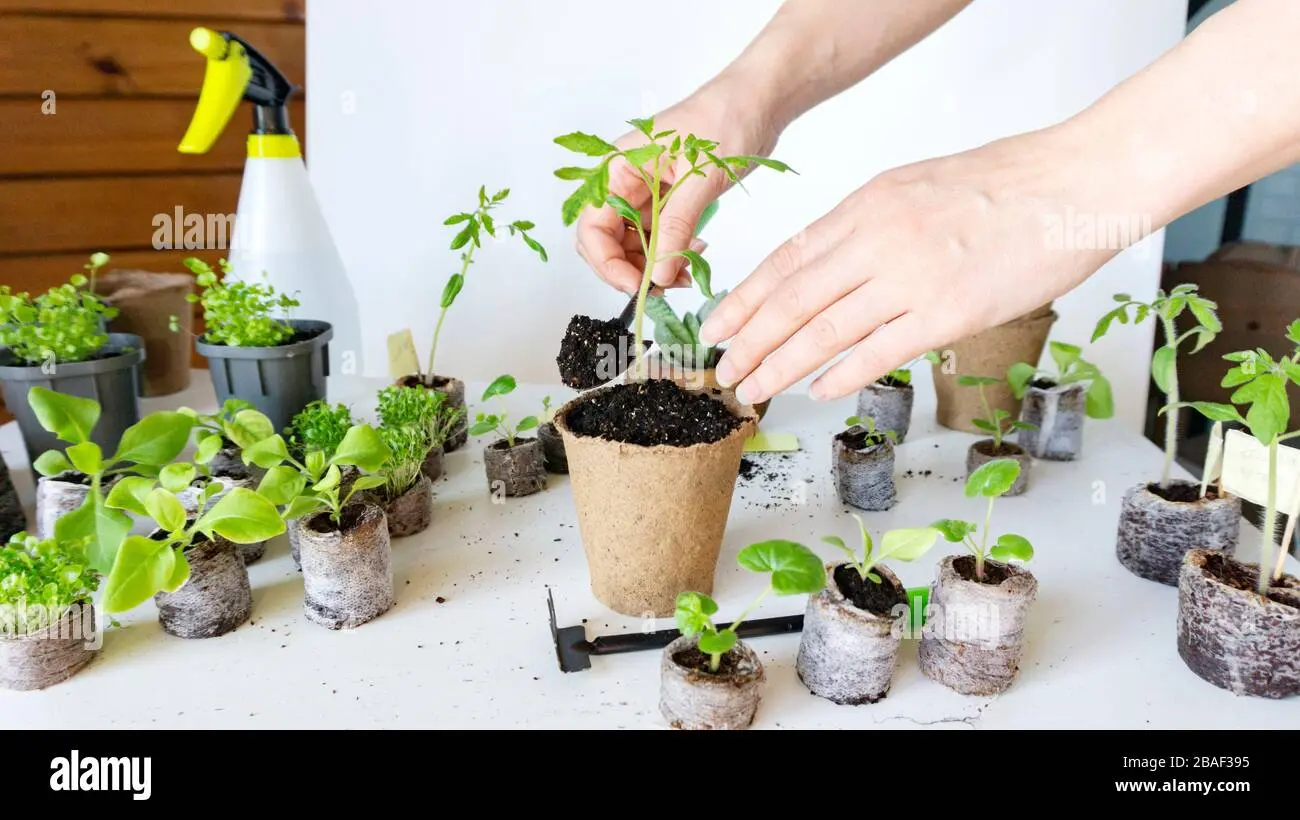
[(216, 10)]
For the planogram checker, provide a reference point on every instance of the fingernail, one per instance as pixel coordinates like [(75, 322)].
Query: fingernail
[(817, 392), (747, 394), (708, 336), (699, 245), (725, 372)]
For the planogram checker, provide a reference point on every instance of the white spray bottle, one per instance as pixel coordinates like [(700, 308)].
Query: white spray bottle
[(280, 235)]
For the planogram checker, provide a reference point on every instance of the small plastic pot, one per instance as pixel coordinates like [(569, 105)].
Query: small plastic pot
[(50, 655), (410, 512), (690, 698), (215, 600), (1231, 636), (112, 379), (347, 570), (982, 452), (1057, 414), (847, 653), (889, 406), (279, 381), (864, 475), (553, 449), (973, 635), (12, 518), (515, 471), (1156, 533)]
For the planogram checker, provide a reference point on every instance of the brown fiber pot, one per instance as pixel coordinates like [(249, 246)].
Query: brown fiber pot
[(695, 379), (347, 574), (643, 548), (217, 597), (410, 512), (690, 699), (1155, 534), (146, 301), (1232, 637), (50, 655), (982, 452), (989, 353), (454, 390), (973, 634)]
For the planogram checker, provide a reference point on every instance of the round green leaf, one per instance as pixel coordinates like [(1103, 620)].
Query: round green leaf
[(180, 571), (247, 428), (165, 509), (52, 463), (993, 478), (526, 423), (207, 449), (362, 447), (86, 457), (500, 386), (129, 493), (143, 568), (156, 439), (281, 485), (482, 428), (694, 612), (242, 516), (717, 643), (177, 477), (794, 568), (1163, 366), (954, 530), (269, 452), (1012, 547), (1019, 376), (907, 544), (1100, 400)]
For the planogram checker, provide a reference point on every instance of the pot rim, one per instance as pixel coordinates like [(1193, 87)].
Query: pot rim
[(1144, 489), (121, 360), (41, 634), (1059, 389), (890, 388), (1195, 561), (288, 351), (746, 413), (1015, 571), (704, 679), (1024, 453), (368, 511), (520, 441), (886, 445), (419, 377), (835, 597)]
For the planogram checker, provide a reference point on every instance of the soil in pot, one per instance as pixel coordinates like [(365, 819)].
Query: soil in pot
[(667, 460), (1158, 526), (701, 378), (973, 641), (515, 471), (1057, 414), (692, 697), (454, 390), (982, 452), (12, 518), (411, 511), (347, 567), (215, 600), (594, 352), (146, 301), (1233, 637), (864, 470), (50, 655), (851, 635), (553, 449), (888, 403)]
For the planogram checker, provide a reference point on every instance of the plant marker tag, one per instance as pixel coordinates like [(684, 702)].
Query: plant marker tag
[(762, 442), (402, 358), (1213, 458), (1245, 469), (918, 598)]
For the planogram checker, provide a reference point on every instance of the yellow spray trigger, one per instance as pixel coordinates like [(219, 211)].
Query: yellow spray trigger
[(224, 83)]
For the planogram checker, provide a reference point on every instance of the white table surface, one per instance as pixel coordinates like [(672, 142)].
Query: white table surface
[(1100, 647)]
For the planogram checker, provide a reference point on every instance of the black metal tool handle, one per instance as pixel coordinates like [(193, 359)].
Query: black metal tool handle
[(629, 312), (641, 641)]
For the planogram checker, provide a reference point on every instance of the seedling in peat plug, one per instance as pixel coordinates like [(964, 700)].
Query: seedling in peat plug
[(42, 580), (237, 424), (902, 376), (990, 481), (320, 426), (1164, 363), (871, 437), (901, 545), (665, 149), (1070, 369), (238, 313), (414, 406), (63, 325), (793, 569), (996, 421), (487, 423), (469, 238)]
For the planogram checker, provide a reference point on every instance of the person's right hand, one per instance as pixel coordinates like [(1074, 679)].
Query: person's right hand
[(723, 112)]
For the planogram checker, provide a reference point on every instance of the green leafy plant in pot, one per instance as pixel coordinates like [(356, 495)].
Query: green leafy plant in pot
[(851, 629), (709, 678), (254, 351), (343, 541), (1238, 624), (515, 466), (1054, 404), (1160, 521), (979, 603), (998, 423), (48, 627), (863, 459), (472, 226), (427, 409), (56, 340), (622, 439), (319, 428), (889, 399)]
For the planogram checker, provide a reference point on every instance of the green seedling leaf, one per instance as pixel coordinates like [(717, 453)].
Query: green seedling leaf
[(144, 567), (794, 568), (907, 544), (984, 425), (1019, 377), (706, 217), (624, 209), (330, 481), (694, 613), (269, 452), (180, 571), (86, 457), (993, 478), (1011, 548), (700, 271), (1163, 364), (70, 418), (165, 509), (1065, 355), (176, 478), (500, 386), (248, 427), (52, 463), (571, 174), (207, 448), (953, 530), (281, 485), (1099, 401), (674, 332), (451, 290), (303, 505), (747, 160), (587, 144), (838, 543), (644, 155), (156, 439), (646, 125), (976, 381), (526, 423), (483, 427), (1214, 411), (242, 516), (1269, 412), (129, 493), (362, 447), (101, 527), (717, 643), (1203, 310)]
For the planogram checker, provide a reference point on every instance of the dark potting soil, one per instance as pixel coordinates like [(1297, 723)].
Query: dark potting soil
[(866, 594), (653, 412), (1007, 450), (501, 444), (1246, 578), (747, 468), (73, 478), (890, 381), (585, 349), (693, 658), (861, 441), (415, 380), (298, 336), (994, 574), (321, 522), (1184, 494), (1043, 384)]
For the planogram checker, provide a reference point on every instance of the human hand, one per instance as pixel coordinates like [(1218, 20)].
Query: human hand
[(920, 257), (724, 111)]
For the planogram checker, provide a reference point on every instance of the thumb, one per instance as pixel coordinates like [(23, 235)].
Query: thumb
[(677, 227)]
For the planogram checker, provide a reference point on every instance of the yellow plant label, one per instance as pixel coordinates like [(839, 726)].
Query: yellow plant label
[(1245, 470), (402, 358), (772, 443)]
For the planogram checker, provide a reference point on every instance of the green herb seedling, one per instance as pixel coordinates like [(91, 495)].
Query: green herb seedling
[(237, 424), (469, 237), (992, 480), (1164, 363), (996, 421), (872, 437), (664, 149), (901, 545), (1070, 369), (485, 423), (548, 412), (63, 325), (320, 426), (902, 376), (237, 313), (1260, 384), (40, 580), (414, 406), (793, 569)]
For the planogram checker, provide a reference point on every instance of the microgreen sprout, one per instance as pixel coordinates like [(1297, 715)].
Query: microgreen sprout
[(320, 426), (238, 313), (902, 545), (997, 422), (485, 423), (40, 580), (1070, 369), (992, 480), (64, 324), (871, 436)]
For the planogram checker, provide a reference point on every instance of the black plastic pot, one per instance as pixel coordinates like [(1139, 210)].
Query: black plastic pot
[(279, 381), (113, 380)]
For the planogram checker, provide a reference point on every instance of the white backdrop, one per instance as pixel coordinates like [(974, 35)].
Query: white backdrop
[(415, 103)]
